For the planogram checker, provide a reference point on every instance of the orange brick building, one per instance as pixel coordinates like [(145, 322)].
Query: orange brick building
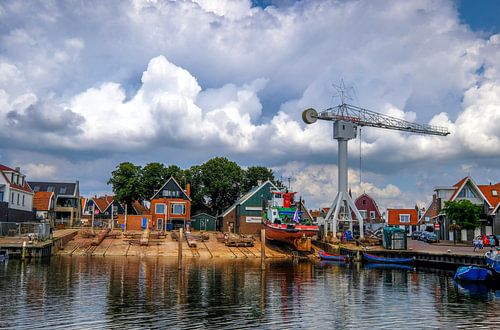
[(402, 217), (170, 206)]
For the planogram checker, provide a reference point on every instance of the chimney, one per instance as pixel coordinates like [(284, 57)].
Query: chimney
[(259, 183), (18, 169), (188, 189)]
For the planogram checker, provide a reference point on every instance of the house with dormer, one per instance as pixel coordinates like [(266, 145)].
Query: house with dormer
[(484, 195), (16, 196), (67, 207), (170, 206)]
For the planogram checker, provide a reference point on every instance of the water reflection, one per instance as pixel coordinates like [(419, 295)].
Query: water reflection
[(151, 292)]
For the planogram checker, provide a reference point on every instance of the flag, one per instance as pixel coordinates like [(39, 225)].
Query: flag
[(296, 215)]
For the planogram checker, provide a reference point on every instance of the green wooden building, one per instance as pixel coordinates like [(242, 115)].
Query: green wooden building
[(204, 222)]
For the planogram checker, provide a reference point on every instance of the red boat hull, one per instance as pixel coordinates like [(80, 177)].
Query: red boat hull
[(297, 235)]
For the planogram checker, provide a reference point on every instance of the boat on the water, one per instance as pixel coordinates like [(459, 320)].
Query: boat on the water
[(332, 257), (284, 222), (493, 262), (383, 260), (472, 273)]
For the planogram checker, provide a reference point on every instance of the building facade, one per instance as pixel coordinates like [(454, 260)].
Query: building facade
[(170, 206), (16, 196), (406, 219), (369, 210)]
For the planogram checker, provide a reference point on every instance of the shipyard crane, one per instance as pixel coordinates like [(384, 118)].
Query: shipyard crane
[(346, 118)]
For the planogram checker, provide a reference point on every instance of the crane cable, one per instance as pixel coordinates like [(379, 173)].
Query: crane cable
[(360, 158)]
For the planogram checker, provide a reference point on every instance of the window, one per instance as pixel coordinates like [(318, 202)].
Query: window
[(404, 218), (372, 214), (1, 196), (494, 192), (364, 201), (17, 199), (178, 208), (427, 219), (363, 213), (160, 208), (23, 200), (467, 193), (12, 198), (36, 188), (62, 190), (50, 189)]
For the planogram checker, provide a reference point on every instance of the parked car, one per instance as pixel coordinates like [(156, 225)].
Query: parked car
[(421, 237), (430, 238), (416, 234)]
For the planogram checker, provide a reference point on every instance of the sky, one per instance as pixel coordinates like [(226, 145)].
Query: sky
[(85, 85)]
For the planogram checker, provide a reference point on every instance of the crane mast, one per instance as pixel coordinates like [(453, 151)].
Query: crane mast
[(346, 118)]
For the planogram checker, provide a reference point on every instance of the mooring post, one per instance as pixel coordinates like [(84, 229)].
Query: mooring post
[(263, 248), (23, 253), (180, 248)]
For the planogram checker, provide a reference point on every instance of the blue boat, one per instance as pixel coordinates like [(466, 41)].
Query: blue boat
[(383, 260), (493, 262), (472, 273), (332, 257)]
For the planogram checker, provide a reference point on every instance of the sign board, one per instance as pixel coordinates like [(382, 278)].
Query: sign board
[(437, 226), (253, 219)]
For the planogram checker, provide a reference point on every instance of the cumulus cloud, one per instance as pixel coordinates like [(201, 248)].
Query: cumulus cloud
[(202, 78)]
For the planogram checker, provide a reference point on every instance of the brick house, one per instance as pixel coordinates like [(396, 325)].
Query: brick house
[(43, 203), (170, 206)]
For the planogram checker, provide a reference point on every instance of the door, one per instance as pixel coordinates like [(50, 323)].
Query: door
[(160, 224), (144, 223)]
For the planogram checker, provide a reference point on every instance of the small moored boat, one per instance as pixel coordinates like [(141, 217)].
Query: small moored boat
[(472, 273), (493, 262), (383, 260), (333, 257)]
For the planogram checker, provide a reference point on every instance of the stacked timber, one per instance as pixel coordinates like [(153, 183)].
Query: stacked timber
[(191, 240), (100, 237), (239, 240), (144, 241), (114, 233), (87, 233), (175, 236)]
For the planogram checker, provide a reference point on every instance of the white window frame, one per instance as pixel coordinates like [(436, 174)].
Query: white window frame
[(164, 208), (494, 192), (372, 214), (363, 213), (401, 216), (178, 204)]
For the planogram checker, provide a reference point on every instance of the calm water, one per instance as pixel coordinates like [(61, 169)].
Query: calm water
[(83, 293)]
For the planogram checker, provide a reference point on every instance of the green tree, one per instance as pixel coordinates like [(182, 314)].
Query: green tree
[(125, 180), (222, 182), (177, 173), (463, 213), (193, 176), (153, 176), (255, 173)]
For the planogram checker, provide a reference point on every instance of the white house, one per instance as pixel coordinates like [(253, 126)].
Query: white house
[(14, 189)]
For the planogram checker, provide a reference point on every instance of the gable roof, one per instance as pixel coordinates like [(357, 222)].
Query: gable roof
[(102, 202), (373, 201), (139, 208), (247, 196), (178, 185), (42, 199), (204, 215), (487, 191), (431, 211), (462, 183), (59, 188), (25, 187)]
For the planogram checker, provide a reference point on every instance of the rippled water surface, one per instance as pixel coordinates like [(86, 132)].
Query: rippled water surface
[(84, 293)]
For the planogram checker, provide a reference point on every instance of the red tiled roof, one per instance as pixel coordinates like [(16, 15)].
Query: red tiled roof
[(41, 200), (457, 186), (139, 208), (487, 191), (24, 187), (103, 202), (393, 216)]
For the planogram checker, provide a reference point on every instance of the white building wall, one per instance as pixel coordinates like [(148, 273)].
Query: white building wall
[(14, 204)]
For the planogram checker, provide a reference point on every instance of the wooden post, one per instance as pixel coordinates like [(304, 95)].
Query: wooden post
[(263, 249), (125, 227), (23, 253), (180, 247)]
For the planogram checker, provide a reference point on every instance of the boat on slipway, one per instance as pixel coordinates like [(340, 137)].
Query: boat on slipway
[(284, 221), (383, 260)]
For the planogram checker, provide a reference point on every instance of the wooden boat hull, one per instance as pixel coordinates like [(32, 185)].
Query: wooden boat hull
[(382, 260), (472, 273), (332, 257), (297, 235)]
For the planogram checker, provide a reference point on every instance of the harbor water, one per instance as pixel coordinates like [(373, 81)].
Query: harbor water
[(131, 293)]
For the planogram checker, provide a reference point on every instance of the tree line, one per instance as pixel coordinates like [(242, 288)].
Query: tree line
[(215, 185)]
